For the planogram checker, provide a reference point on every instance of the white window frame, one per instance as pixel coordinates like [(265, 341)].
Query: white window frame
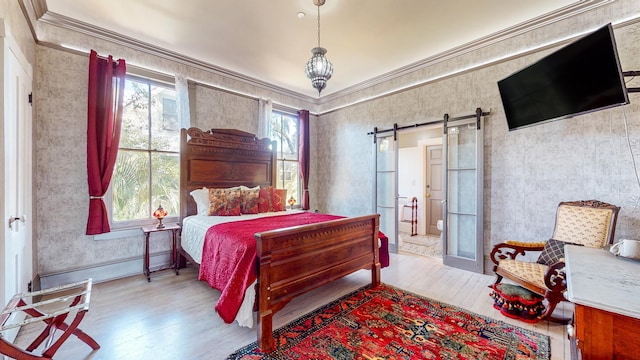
[(123, 225), (280, 160)]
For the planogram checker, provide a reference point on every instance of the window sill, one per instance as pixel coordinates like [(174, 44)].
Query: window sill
[(123, 229), (118, 234)]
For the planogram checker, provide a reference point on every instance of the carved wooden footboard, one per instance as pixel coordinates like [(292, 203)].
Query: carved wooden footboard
[(298, 259)]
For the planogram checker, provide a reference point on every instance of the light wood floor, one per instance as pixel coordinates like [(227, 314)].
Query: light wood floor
[(173, 318)]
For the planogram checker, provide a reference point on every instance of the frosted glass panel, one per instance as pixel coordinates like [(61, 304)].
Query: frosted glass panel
[(386, 186), (461, 233), (462, 147), (388, 223), (386, 154), (462, 191)]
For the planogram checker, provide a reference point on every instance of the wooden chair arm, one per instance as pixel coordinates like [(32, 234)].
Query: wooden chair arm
[(512, 248), (555, 277)]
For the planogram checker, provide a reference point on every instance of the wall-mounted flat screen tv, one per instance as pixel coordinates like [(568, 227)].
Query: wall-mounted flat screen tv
[(581, 77)]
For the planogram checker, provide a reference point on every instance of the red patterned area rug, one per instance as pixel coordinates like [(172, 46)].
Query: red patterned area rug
[(389, 323)]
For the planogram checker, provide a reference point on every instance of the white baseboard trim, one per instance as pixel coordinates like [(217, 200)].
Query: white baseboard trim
[(108, 271)]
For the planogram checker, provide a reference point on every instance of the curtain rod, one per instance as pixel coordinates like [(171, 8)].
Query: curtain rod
[(396, 128)]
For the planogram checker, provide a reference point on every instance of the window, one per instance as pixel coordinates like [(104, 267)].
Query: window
[(147, 171), (284, 131)]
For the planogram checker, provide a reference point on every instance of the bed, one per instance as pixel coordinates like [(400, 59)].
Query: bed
[(289, 261)]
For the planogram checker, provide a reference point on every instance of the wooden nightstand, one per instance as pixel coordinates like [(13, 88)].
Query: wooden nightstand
[(174, 228)]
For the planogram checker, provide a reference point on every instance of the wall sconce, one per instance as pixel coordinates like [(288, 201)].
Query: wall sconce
[(159, 214)]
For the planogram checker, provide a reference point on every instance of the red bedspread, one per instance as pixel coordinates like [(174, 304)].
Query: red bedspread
[(229, 261)]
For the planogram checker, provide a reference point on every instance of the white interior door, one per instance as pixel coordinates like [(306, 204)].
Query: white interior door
[(16, 246), (463, 205)]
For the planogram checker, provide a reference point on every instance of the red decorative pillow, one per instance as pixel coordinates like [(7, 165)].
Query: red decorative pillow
[(234, 201), (264, 199), (279, 200), (224, 202), (217, 202), (250, 197)]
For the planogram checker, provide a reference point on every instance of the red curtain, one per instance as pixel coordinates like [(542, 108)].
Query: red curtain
[(304, 155), (104, 118)]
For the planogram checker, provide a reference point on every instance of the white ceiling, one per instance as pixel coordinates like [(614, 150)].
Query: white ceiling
[(265, 40)]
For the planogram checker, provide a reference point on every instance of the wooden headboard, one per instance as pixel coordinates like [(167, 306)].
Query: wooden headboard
[(222, 158)]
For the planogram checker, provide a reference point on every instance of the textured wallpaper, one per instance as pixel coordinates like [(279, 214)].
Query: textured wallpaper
[(527, 172), (219, 109)]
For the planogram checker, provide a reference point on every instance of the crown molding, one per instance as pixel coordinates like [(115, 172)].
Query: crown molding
[(68, 23), (39, 8), (51, 18), (27, 16)]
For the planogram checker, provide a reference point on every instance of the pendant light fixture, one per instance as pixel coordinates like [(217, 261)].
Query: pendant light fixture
[(319, 69)]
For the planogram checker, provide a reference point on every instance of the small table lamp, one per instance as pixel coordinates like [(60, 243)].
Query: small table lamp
[(291, 202), (159, 214)]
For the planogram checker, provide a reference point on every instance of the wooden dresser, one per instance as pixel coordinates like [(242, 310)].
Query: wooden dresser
[(606, 292)]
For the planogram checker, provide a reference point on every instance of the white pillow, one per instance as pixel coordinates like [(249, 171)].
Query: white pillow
[(201, 197)]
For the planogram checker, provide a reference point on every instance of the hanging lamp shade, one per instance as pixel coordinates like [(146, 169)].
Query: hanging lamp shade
[(319, 69)]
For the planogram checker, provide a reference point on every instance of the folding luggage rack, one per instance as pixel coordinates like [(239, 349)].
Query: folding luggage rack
[(64, 301)]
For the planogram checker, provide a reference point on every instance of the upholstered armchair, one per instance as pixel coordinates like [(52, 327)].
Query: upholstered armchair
[(585, 223)]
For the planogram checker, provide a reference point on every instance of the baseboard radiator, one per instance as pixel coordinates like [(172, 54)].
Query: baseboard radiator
[(107, 271)]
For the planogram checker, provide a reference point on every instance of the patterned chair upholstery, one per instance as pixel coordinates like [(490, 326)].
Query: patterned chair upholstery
[(586, 223)]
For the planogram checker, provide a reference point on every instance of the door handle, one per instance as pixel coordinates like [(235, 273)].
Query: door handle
[(427, 195), (13, 219)]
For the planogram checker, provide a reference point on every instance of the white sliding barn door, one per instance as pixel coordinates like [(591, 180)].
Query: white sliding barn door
[(16, 177), (386, 189), (463, 205)]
